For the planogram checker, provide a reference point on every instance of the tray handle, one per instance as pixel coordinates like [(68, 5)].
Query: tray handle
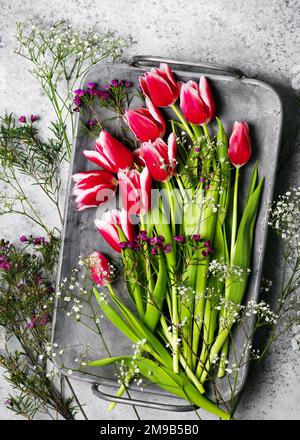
[(160, 406), (140, 60)]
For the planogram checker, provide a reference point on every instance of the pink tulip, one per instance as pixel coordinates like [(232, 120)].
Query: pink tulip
[(106, 225), (102, 271), (160, 158), (135, 191), (146, 124), (92, 188), (196, 101), (160, 86), (239, 150), (110, 154)]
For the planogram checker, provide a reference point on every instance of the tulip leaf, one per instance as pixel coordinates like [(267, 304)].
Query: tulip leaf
[(109, 361), (222, 156), (155, 302)]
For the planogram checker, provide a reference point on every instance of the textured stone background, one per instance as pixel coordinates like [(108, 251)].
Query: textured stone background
[(262, 38)]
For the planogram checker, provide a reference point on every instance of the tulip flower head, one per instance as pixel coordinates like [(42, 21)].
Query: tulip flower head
[(103, 272), (239, 151), (146, 124), (160, 86), (196, 101), (135, 191), (110, 153), (107, 226), (93, 188), (160, 158)]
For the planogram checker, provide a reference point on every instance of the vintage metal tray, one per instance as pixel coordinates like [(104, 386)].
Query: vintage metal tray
[(237, 98)]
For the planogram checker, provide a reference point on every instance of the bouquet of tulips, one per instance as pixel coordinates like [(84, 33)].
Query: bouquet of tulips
[(184, 246)]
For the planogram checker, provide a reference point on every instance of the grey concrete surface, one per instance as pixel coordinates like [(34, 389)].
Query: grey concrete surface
[(262, 38)]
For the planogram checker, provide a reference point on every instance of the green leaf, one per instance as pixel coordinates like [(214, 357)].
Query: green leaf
[(109, 361), (222, 156), (155, 302)]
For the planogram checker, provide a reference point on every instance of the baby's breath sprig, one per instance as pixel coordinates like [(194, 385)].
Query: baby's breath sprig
[(60, 56)]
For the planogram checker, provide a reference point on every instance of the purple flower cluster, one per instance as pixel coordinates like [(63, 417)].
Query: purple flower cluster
[(209, 249), (36, 320), (23, 119), (38, 241), (5, 264), (156, 243)]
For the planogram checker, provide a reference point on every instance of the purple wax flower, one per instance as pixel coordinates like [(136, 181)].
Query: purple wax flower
[(127, 84), (202, 179), (105, 95), (33, 118), (160, 239), (23, 239), (196, 237), (204, 253), (92, 92), (114, 82), (207, 187), (31, 323), (37, 280), (167, 248), (179, 238), (153, 251), (8, 402), (91, 85), (143, 235), (79, 92), (207, 243), (197, 149), (152, 240), (107, 86), (123, 244), (91, 122), (131, 244), (22, 119), (39, 241), (44, 320)]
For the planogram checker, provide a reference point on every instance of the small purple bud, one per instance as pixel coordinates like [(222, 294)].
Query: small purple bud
[(114, 82), (23, 239), (207, 187), (153, 251), (207, 243), (8, 402), (204, 253), (131, 244), (123, 244), (197, 149), (152, 240), (196, 237), (179, 238), (79, 92), (22, 119), (91, 122), (202, 179), (167, 248), (107, 86), (91, 85), (127, 84), (33, 118)]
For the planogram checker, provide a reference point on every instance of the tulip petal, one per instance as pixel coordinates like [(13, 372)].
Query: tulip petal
[(109, 232), (207, 96), (159, 90), (172, 151), (98, 159), (157, 115), (142, 125), (126, 225), (156, 164), (165, 68), (191, 103), (146, 186), (114, 152)]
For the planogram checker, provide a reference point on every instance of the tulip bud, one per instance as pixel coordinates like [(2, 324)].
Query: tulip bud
[(135, 191), (146, 124), (239, 151), (102, 271), (110, 154), (160, 158), (92, 188), (108, 225), (160, 86), (196, 101)]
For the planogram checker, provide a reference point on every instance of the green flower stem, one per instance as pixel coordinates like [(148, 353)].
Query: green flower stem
[(171, 196), (234, 216), (182, 359), (175, 325), (119, 393), (215, 350), (223, 358), (183, 121)]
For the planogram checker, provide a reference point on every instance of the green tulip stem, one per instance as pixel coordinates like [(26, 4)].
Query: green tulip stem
[(206, 132), (119, 393), (234, 216), (175, 325), (172, 206), (215, 350), (223, 359), (183, 121), (182, 360)]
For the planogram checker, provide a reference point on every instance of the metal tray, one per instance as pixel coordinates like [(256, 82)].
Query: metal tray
[(237, 98)]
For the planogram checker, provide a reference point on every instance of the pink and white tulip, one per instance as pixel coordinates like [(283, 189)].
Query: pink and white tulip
[(146, 124), (107, 226), (197, 102), (239, 151), (160, 157), (93, 188), (102, 271), (160, 86), (110, 153), (136, 191)]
